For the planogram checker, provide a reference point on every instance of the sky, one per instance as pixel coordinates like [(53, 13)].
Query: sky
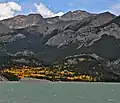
[(51, 8)]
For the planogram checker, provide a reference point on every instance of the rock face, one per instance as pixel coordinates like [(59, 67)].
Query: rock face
[(52, 39), (4, 29)]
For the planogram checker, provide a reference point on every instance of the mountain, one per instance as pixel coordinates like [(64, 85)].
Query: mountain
[(54, 39)]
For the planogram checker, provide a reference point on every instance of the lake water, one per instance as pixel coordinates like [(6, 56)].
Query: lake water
[(41, 92)]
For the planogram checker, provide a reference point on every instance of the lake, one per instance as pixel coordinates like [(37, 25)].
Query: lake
[(48, 92)]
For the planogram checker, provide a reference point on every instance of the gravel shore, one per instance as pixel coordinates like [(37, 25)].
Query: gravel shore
[(33, 80), (3, 78)]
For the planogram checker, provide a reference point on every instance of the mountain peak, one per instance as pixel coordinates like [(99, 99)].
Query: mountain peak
[(76, 15), (22, 21), (102, 18), (35, 15), (108, 14), (80, 11)]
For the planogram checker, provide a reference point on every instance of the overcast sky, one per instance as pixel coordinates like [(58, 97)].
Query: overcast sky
[(50, 8)]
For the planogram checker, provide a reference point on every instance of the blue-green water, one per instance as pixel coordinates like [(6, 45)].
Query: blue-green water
[(59, 93)]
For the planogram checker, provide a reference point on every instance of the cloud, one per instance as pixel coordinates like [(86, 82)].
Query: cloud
[(115, 9), (58, 14), (45, 11), (7, 10)]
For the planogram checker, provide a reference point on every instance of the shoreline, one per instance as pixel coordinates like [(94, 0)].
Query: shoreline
[(30, 80), (60, 82), (33, 79)]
